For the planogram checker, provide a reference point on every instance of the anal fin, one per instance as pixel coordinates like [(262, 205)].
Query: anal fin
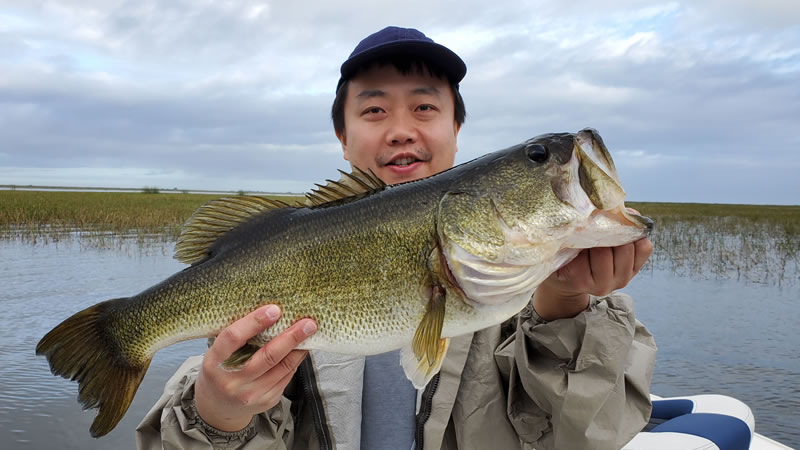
[(239, 357)]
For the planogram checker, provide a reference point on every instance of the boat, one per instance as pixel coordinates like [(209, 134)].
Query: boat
[(701, 422)]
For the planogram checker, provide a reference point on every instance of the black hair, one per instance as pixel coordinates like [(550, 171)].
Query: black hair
[(404, 64)]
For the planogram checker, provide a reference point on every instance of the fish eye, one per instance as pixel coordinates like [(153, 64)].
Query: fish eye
[(537, 153)]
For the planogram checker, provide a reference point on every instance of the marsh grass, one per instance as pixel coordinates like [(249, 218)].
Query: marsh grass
[(103, 219), (754, 243)]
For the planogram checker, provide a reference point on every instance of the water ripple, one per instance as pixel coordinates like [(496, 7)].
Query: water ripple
[(714, 336)]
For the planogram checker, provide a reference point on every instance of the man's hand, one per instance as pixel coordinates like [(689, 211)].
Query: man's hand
[(228, 400), (596, 271)]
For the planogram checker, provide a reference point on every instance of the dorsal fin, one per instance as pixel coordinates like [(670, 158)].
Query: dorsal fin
[(350, 186), (215, 218)]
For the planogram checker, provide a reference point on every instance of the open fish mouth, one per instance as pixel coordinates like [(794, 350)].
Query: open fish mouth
[(599, 179), (598, 195), (625, 216), (597, 174)]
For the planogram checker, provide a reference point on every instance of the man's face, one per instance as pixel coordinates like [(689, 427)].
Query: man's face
[(400, 126)]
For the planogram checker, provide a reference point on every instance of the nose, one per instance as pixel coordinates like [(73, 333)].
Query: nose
[(402, 130)]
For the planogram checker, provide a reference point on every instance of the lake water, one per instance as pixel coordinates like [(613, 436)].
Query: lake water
[(729, 337)]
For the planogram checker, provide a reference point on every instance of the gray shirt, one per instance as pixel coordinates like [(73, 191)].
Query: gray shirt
[(388, 403)]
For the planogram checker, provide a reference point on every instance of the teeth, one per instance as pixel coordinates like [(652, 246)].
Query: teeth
[(403, 161)]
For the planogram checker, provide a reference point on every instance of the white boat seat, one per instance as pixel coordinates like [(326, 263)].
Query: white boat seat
[(699, 422)]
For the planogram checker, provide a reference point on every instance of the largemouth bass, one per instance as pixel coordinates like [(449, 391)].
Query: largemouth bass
[(378, 267)]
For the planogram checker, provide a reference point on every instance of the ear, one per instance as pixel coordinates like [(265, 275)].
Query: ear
[(343, 140), (456, 129)]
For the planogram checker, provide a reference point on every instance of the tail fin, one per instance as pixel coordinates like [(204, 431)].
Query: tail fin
[(83, 349)]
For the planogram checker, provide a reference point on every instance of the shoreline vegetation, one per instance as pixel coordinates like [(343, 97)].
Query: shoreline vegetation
[(756, 242), (145, 214), (30, 187)]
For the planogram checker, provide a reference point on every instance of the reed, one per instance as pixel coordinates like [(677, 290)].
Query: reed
[(36, 215), (757, 243)]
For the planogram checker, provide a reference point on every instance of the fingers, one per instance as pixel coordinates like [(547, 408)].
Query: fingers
[(601, 270), (612, 267), (623, 263), (626, 262), (287, 366), (238, 333), (227, 400), (272, 390), (601, 264), (578, 265), (276, 352)]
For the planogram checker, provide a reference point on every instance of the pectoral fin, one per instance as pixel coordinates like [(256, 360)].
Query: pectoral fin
[(423, 357)]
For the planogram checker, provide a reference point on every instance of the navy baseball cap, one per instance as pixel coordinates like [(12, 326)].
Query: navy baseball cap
[(403, 41)]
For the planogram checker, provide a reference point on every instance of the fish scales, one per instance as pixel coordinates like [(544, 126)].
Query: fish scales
[(377, 267), (367, 257)]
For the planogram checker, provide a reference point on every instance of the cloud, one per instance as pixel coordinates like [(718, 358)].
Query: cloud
[(237, 92)]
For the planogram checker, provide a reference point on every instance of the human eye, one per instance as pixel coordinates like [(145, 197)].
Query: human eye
[(372, 110), (426, 108)]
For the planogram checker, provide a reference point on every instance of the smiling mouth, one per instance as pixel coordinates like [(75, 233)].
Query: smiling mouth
[(402, 162)]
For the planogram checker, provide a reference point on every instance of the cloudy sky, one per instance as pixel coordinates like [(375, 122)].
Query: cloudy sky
[(697, 101)]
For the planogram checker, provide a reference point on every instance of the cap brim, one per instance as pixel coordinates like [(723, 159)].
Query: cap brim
[(439, 55)]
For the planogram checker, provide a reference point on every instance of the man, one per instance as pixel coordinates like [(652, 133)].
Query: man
[(572, 370)]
